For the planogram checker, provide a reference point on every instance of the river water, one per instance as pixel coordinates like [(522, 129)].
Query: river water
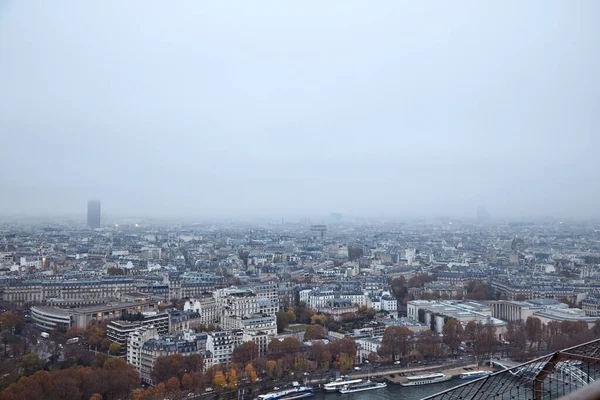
[(392, 391)]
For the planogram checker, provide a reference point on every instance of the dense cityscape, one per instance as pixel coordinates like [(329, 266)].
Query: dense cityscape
[(284, 200), (143, 311)]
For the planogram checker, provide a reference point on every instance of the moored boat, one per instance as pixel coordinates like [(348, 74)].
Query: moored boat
[(360, 387), (296, 392), (474, 374), (426, 379), (340, 383)]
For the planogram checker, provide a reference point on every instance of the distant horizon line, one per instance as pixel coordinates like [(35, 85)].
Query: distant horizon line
[(332, 217)]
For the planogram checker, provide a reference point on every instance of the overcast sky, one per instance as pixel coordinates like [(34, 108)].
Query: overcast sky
[(276, 108)]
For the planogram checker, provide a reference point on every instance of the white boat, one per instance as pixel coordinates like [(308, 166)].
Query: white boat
[(340, 383), (297, 392), (474, 374), (426, 379), (360, 387)]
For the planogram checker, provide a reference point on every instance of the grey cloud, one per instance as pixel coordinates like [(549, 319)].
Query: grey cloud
[(368, 108)]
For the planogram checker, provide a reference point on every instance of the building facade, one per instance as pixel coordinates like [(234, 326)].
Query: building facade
[(69, 293), (220, 344)]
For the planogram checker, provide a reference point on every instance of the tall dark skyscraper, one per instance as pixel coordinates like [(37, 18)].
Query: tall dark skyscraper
[(93, 219)]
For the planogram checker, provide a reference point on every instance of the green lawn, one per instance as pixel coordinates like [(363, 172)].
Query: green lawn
[(298, 327)]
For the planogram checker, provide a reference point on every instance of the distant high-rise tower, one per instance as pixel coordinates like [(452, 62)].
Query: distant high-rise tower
[(93, 219)]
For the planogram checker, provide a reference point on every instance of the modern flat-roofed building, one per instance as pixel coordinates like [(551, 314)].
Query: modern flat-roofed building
[(118, 331), (82, 316), (93, 214), (434, 312), (546, 310), (50, 318)]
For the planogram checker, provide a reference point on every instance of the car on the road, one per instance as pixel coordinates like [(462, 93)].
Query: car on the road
[(398, 362), (357, 368)]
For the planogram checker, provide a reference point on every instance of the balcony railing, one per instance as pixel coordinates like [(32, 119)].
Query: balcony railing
[(570, 373)]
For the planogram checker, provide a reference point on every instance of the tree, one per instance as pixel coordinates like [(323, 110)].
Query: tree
[(485, 338), (12, 322), (251, 373), (373, 357), (271, 365), (471, 331), (516, 336), (453, 334), (193, 363), (137, 394), (345, 362), (399, 288), (429, 344), (96, 396), (115, 379), (396, 342), (187, 381), (114, 349), (245, 353), (166, 367), (320, 319), (480, 291), (596, 329), (282, 321), (172, 385), (198, 380), (314, 332), (533, 330), (118, 378), (219, 381), (31, 363), (321, 355), (291, 315), (161, 371), (232, 379)]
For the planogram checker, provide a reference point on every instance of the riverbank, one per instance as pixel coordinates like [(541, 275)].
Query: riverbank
[(406, 370)]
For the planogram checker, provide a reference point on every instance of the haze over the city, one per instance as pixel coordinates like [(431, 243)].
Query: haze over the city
[(272, 108)]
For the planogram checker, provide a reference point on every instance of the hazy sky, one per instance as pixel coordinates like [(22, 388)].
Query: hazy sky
[(300, 107)]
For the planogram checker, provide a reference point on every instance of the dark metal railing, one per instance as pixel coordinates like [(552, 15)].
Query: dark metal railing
[(545, 378)]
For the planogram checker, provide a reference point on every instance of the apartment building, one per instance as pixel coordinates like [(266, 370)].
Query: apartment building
[(135, 341), (118, 331), (358, 298), (205, 306), (71, 293), (260, 338), (220, 344), (256, 322), (184, 343), (238, 302)]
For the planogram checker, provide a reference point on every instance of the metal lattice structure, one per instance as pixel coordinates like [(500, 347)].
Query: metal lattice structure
[(546, 378)]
